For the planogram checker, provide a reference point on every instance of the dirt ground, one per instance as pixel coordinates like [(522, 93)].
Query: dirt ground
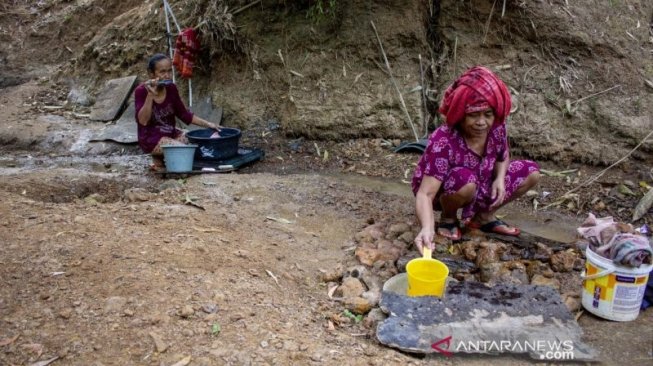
[(100, 257), (105, 263)]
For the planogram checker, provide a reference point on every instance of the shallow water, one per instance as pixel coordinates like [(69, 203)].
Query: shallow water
[(549, 225), (25, 163)]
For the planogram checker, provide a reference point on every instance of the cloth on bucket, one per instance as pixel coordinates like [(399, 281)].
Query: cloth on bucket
[(647, 301), (616, 241), (187, 46)]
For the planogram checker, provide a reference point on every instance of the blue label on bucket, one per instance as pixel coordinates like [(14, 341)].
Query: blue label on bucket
[(625, 279), (597, 297)]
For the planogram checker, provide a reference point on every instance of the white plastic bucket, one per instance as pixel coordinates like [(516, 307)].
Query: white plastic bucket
[(612, 291)]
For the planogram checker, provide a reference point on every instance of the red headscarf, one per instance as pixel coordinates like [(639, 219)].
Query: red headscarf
[(475, 90)]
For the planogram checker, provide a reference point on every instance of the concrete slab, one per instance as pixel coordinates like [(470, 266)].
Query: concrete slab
[(203, 108), (473, 318), (123, 131), (112, 98)]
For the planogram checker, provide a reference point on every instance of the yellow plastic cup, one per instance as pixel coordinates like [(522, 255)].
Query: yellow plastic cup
[(426, 276)]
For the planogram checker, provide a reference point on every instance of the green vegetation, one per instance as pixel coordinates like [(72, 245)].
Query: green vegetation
[(322, 10)]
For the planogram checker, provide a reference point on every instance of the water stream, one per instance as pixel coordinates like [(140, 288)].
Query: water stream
[(549, 225)]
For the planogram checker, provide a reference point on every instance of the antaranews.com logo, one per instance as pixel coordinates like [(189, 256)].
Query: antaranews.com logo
[(546, 349)]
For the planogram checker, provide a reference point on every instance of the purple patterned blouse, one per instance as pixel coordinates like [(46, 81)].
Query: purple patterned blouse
[(447, 158)]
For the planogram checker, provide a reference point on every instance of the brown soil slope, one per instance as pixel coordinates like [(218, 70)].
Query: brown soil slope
[(324, 76)]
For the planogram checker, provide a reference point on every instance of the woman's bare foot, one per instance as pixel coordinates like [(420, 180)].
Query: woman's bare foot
[(157, 164)]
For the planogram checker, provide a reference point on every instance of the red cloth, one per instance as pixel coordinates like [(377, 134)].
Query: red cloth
[(475, 90), (187, 46)]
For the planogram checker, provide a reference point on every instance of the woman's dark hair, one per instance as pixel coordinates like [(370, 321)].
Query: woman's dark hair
[(151, 64)]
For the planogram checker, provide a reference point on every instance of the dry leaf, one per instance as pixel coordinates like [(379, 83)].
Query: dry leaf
[(281, 57), (7, 341), (643, 205), (36, 348), (273, 277), (191, 201), (281, 220), (623, 189), (562, 173), (46, 362), (183, 362), (331, 291), (649, 83), (206, 230), (296, 73)]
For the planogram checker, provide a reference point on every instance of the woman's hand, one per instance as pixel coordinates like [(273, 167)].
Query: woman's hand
[(424, 238), (151, 85), (498, 192)]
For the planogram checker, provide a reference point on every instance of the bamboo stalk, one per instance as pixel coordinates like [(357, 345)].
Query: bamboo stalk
[(489, 19), (595, 94), (401, 97), (246, 7), (424, 106)]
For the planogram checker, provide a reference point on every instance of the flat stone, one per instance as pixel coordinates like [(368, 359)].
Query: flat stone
[(112, 98), (541, 280), (160, 345), (203, 107), (351, 287), (123, 131), (397, 229), (475, 318), (187, 311), (115, 304), (563, 261)]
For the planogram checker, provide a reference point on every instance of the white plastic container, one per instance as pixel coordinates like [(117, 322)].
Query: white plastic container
[(612, 291)]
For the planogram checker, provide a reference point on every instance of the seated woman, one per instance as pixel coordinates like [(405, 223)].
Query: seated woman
[(467, 161), (157, 103)]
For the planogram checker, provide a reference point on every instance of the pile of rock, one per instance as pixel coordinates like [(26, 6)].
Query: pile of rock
[(380, 244), (383, 249)]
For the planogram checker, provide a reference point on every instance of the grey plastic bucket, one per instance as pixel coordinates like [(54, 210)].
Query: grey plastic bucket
[(179, 158)]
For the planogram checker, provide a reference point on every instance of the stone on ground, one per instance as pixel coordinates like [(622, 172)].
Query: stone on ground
[(481, 319), (112, 98)]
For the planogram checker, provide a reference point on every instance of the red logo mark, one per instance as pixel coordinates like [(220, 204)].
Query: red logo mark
[(445, 341)]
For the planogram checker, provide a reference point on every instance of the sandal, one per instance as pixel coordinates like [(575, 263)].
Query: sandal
[(157, 168), (496, 227), (453, 229)]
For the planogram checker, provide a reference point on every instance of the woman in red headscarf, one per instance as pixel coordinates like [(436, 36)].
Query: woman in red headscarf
[(467, 161)]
